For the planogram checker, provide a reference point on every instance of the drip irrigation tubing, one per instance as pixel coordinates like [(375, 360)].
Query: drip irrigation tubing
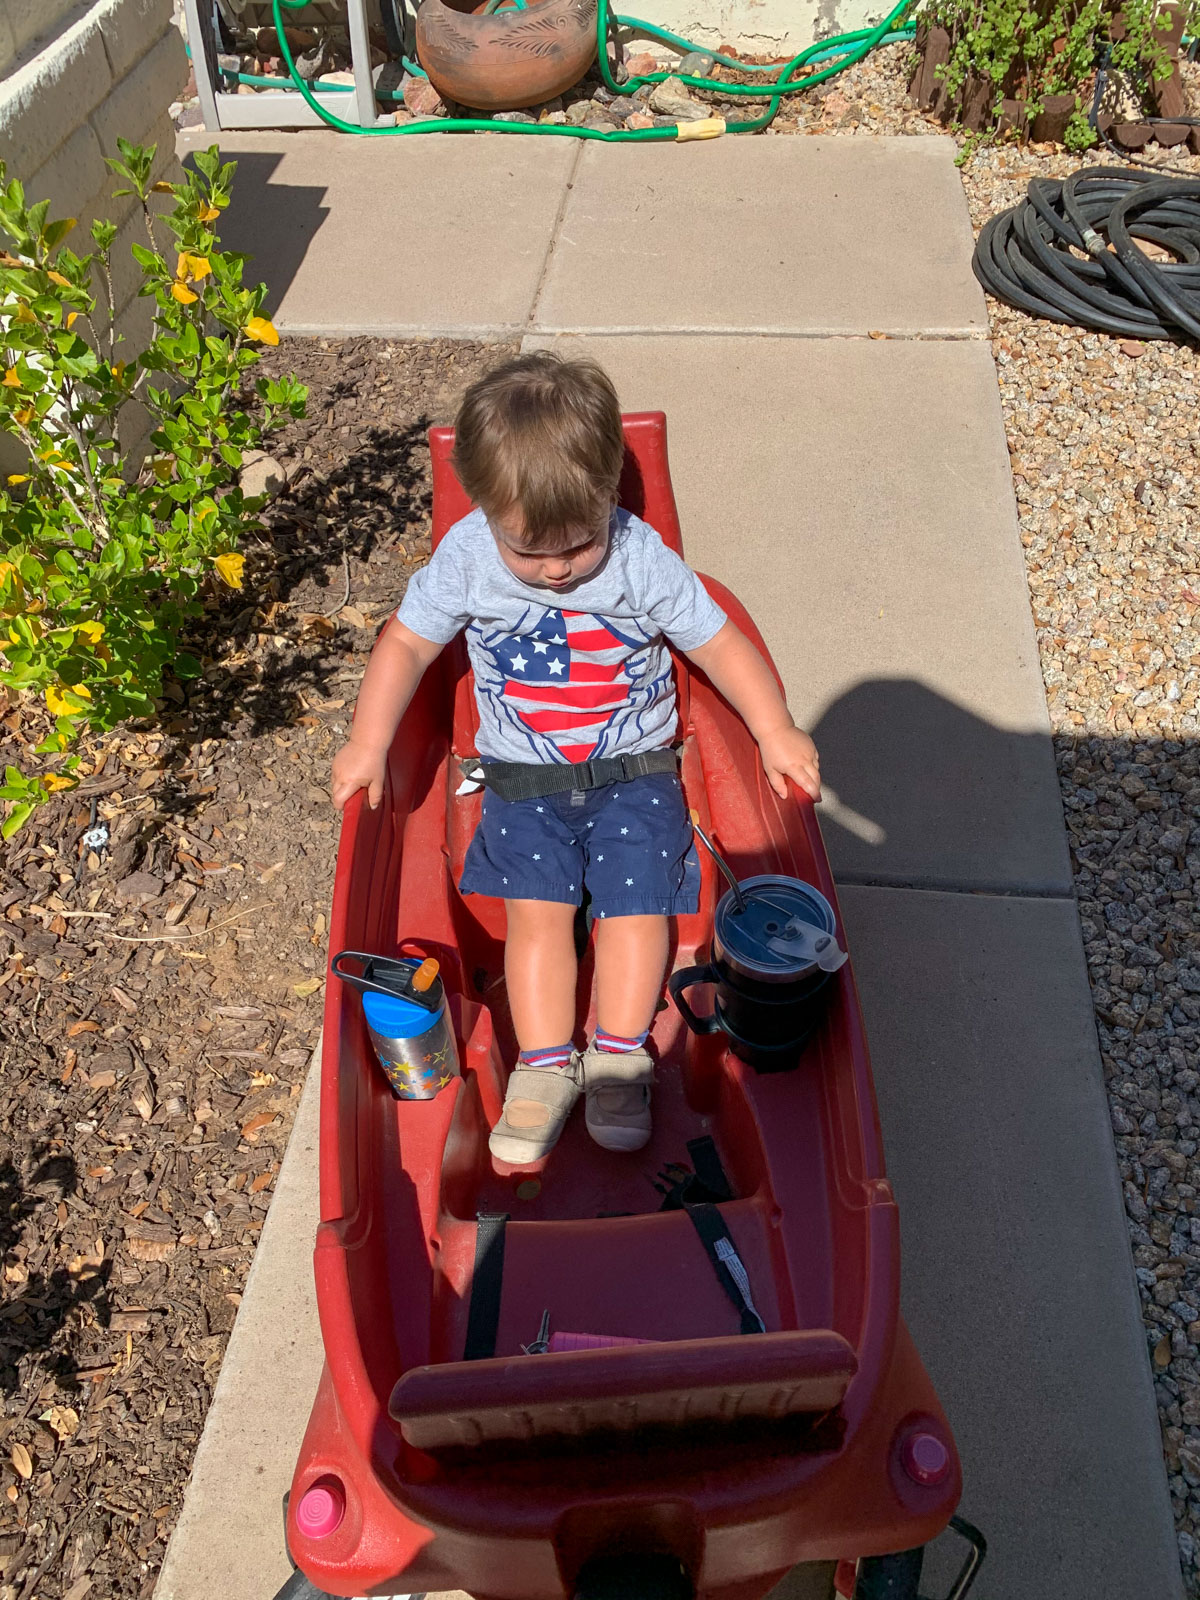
[(848, 48), (1067, 252)]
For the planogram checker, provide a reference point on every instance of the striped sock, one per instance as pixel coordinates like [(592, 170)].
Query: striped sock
[(558, 1055), (617, 1043)]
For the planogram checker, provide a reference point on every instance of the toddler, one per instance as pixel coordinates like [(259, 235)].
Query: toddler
[(569, 604)]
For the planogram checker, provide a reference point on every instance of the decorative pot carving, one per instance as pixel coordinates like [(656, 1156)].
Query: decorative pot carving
[(509, 59)]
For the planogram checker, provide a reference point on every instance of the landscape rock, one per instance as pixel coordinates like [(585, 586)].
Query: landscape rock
[(261, 474), (671, 99), (421, 98)]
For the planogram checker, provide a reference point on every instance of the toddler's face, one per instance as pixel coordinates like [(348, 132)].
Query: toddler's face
[(583, 551)]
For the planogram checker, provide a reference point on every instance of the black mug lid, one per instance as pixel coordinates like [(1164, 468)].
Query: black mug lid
[(778, 912)]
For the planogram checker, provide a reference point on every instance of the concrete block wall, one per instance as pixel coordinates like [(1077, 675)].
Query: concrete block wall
[(72, 79)]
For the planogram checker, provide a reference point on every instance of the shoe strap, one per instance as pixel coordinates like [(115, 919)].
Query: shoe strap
[(610, 1069)]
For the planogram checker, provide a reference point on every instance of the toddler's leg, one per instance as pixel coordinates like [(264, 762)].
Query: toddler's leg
[(631, 958), (540, 973)]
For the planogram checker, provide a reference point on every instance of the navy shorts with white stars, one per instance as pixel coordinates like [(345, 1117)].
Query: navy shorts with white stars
[(630, 843)]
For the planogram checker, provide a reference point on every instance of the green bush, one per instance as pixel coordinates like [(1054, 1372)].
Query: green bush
[(102, 564), (1030, 49)]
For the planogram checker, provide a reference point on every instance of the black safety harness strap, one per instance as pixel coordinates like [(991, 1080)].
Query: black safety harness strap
[(726, 1263), (487, 1281), (521, 780)]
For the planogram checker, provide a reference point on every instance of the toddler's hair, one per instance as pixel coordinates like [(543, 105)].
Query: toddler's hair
[(542, 434)]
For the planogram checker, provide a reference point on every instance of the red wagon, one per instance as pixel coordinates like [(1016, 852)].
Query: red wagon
[(686, 1460)]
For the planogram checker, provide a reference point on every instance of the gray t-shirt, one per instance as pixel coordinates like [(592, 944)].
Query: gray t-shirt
[(573, 676)]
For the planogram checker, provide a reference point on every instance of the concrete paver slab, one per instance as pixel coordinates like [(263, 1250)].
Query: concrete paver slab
[(229, 1539), (855, 495), (809, 236), (1017, 1279), (394, 236)]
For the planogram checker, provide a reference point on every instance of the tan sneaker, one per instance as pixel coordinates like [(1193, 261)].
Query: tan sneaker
[(618, 1097), (537, 1103)]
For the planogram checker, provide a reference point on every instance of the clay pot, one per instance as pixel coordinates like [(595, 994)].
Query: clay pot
[(510, 59)]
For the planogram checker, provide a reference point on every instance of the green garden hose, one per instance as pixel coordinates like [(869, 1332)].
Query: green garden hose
[(855, 45)]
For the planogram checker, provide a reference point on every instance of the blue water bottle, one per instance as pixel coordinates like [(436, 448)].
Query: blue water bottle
[(407, 1020)]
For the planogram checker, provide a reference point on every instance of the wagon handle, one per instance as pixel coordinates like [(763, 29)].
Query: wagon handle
[(975, 1555)]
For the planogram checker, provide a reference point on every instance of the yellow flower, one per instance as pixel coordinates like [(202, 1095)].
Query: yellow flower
[(208, 213), (15, 478), (262, 329), (53, 457), (93, 632), (230, 568), (190, 266), (8, 571), (10, 379), (25, 415), (57, 277), (24, 314), (55, 781), (185, 296), (118, 370), (162, 187), (72, 317), (64, 699)]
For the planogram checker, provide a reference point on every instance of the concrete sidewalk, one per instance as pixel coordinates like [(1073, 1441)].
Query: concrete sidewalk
[(854, 491)]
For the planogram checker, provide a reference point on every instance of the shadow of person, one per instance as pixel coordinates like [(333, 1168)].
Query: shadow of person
[(39, 1302), (921, 791)]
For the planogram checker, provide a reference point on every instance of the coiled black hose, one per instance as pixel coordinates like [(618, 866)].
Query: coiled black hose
[(1050, 255)]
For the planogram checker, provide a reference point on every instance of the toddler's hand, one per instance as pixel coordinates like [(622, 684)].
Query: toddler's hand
[(357, 767), (790, 753)]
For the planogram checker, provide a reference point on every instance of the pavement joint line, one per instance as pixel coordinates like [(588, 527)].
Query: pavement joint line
[(853, 880), (555, 230), (692, 331), (487, 332), (499, 331)]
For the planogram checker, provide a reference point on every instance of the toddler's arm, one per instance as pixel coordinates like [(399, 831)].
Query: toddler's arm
[(738, 671), (395, 669)]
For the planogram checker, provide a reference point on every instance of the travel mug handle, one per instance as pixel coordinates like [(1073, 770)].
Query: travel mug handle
[(685, 978)]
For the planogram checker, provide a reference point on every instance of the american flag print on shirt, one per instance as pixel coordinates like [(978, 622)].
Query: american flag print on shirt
[(573, 685)]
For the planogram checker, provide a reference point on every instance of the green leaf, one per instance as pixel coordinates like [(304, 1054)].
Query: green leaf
[(18, 817), (55, 232)]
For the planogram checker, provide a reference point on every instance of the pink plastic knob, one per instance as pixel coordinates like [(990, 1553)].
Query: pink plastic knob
[(321, 1509), (925, 1458)]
